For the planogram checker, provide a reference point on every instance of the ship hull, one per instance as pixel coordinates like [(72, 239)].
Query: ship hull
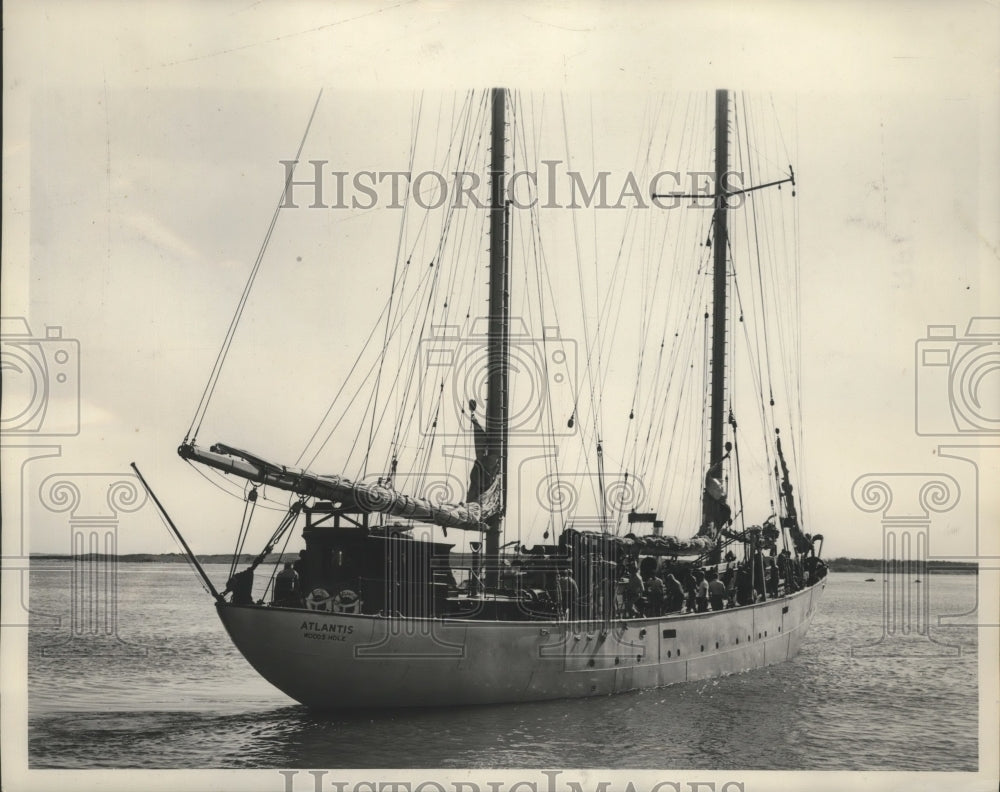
[(331, 661)]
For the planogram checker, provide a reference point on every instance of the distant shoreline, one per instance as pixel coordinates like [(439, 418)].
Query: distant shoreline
[(169, 558), (834, 564)]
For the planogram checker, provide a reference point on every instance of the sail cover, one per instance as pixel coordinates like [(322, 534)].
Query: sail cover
[(481, 478), (365, 496)]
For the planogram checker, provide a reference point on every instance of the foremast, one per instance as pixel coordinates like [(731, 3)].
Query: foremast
[(498, 329)]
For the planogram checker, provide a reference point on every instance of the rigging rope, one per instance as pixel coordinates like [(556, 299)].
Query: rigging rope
[(241, 537), (220, 359), (392, 290), (348, 378), (277, 563)]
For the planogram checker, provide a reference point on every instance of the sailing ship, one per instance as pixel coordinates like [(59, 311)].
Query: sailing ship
[(376, 614)]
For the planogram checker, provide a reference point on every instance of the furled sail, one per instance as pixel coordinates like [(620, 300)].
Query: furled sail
[(803, 541), (364, 496), (645, 545)]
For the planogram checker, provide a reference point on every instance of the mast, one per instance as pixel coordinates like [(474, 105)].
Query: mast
[(498, 328), (720, 244)]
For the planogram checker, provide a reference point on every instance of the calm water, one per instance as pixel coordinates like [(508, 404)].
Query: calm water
[(174, 693)]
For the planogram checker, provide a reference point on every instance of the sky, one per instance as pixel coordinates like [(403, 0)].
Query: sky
[(142, 149)]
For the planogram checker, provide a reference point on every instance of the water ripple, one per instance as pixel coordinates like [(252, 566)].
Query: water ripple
[(173, 693)]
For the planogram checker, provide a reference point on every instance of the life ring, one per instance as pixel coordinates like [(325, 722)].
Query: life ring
[(320, 600), (346, 601)]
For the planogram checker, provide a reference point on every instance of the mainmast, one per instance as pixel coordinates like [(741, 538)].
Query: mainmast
[(714, 507), (720, 243), (499, 322)]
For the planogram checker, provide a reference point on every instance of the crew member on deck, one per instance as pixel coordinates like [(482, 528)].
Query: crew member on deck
[(690, 587), (634, 590), (744, 586), (655, 592), (241, 585), (716, 592), (286, 586), (674, 595), (569, 595), (772, 577), (701, 592), (300, 569)]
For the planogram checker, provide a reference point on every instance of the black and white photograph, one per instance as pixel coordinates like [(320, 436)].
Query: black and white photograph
[(473, 397)]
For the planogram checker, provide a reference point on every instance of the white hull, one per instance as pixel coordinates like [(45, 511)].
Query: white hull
[(326, 660)]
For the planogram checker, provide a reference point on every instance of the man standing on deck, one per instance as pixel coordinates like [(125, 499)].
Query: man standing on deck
[(286, 587), (744, 586), (299, 567), (569, 595), (717, 592), (655, 592), (634, 591), (701, 592), (690, 584), (241, 585), (674, 595)]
